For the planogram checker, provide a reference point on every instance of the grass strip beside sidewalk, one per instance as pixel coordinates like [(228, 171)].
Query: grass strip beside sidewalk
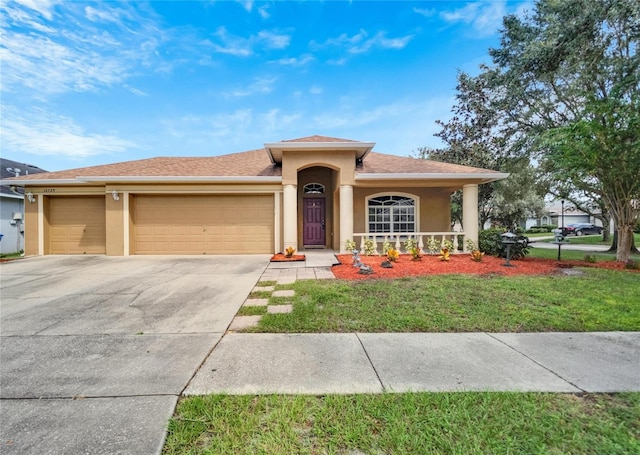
[(455, 423)]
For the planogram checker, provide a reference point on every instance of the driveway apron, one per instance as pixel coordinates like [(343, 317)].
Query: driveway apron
[(95, 350)]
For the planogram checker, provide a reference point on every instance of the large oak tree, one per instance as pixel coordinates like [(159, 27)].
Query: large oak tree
[(564, 89)]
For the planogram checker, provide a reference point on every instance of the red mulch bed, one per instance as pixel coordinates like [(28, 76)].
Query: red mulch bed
[(459, 263), (280, 257)]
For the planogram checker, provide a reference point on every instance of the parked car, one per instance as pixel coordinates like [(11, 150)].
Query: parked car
[(581, 229), (586, 229)]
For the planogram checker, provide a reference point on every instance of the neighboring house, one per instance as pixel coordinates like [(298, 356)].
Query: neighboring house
[(12, 206), (313, 192), (553, 216)]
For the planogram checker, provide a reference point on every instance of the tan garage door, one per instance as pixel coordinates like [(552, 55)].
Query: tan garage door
[(202, 224), (76, 225)]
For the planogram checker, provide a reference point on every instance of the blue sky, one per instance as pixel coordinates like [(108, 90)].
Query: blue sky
[(86, 83)]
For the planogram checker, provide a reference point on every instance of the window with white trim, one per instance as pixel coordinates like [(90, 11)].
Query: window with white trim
[(391, 214)]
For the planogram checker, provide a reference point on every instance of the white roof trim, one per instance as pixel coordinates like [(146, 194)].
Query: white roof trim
[(12, 196), (150, 178), (40, 182), (487, 177), (189, 178), (275, 149)]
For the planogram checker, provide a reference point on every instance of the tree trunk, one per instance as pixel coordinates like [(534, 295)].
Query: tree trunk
[(614, 244), (606, 228)]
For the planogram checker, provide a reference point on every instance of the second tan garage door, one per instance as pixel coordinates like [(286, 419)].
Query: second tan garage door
[(202, 224)]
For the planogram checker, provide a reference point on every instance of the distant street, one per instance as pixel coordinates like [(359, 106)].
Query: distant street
[(537, 242)]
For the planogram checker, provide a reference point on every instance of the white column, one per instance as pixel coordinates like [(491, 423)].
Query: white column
[(470, 212), (277, 212), (290, 216), (346, 215)]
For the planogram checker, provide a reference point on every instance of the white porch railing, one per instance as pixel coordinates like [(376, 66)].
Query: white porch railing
[(425, 239)]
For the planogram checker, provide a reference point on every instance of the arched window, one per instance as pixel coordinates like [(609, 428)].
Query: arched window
[(391, 214), (313, 188)]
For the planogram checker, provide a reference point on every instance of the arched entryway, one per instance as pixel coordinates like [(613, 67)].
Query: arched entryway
[(316, 221)]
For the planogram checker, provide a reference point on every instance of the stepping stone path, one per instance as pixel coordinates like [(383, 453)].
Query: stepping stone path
[(245, 322), (279, 309)]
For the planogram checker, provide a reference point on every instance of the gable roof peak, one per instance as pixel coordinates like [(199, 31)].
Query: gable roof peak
[(318, 138)]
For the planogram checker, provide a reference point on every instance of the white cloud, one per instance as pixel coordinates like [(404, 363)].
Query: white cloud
[(315, 90), (425, 12), (68, 51), (337, 61), (232, 45), (263, 11), (259, 86), (361, 42), (43, 7), (246, 4), (274, 120), (244, 47), (274, 40), (295, 61), (135, 91), (484, 17), (40, 132), (397, 128)]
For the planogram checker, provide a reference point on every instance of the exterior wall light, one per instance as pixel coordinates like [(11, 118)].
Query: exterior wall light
[(30, 197), (114, 193)]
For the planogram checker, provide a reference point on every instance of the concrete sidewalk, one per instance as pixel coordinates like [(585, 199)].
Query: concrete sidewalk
[(399, 362)]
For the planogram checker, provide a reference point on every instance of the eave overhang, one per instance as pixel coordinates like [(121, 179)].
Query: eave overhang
[(85, 180), (471, 176), (276, 149)]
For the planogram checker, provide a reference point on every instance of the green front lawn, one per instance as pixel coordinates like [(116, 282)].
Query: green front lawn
[(411, 423), (572, 255), (599, 300)]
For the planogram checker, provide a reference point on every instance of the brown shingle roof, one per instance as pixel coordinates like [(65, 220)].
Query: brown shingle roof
[(317, 138), (379, 163), (254, 163)]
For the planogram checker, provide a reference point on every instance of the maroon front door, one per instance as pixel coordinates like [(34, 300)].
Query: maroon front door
[(313, 222)]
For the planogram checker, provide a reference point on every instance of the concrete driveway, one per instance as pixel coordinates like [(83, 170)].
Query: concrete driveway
[(95, 350)]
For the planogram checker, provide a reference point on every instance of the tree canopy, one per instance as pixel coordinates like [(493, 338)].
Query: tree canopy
[(564, 91)]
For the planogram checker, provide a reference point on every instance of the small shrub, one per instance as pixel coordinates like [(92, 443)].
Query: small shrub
[(590, 258), (350, 245), (393, 255), (447, 244), (477, 255), (410, 244), (289, 251), (386, 246), (444, 254), (543, 228), (490, 242), (432, 246), (369, 247), (471, 245), (632, 265)]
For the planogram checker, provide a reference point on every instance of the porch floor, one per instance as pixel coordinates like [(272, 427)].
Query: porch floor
[(316, 266)]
